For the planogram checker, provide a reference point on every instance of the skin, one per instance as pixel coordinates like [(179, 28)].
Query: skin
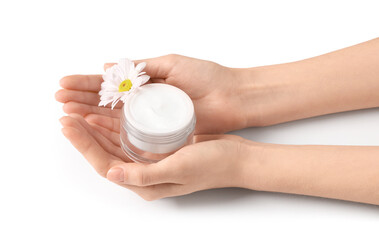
[(226, 99)]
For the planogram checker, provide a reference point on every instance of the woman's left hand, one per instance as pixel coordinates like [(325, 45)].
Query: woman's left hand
[(213, 161)]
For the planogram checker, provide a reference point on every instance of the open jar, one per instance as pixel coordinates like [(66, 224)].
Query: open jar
[(156, 121)]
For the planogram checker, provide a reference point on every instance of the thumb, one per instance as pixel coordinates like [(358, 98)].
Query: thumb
[(158, 67), (140, 174)]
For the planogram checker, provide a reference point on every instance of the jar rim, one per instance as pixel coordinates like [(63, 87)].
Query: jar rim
[(158, 139), (138, 130)]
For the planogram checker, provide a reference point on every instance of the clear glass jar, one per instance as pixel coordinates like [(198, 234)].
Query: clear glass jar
[(156, 121)]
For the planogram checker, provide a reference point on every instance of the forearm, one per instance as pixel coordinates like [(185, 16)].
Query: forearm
[(343, 80), (341, 172)]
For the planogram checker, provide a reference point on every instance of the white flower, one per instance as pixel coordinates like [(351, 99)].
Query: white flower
[(120, 81)]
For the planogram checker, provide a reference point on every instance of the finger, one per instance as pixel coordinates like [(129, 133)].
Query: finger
[(155, 192), (75, 120), (159, 67), (88, 147), (110, 135), (137, 174), (85, 109), (104, 142), (110, 123), (89, 98), (90, 83)]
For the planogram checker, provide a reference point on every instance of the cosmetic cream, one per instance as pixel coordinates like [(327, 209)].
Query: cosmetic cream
[(157, 120)]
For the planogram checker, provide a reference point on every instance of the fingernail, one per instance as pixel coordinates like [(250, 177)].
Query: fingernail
[(116, 174)]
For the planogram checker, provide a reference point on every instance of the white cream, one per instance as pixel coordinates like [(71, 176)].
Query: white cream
[(159, 109), (158, 119)]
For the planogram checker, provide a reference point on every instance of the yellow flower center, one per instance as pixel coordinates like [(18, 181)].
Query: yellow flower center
[(125, 85)]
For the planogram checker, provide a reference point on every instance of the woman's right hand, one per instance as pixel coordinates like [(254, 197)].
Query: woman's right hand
[(214, 89)]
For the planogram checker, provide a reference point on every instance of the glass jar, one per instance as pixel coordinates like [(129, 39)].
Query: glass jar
[(156, 120)]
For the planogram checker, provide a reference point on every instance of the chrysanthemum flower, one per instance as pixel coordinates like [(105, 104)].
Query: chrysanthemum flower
[(120, 81)]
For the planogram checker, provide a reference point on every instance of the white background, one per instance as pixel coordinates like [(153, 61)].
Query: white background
[(48, 191)]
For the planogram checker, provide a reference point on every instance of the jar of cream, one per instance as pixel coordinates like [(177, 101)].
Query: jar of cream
[(156, 120)]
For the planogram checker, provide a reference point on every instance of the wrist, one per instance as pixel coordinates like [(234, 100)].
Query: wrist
[(252, 157), (265, 97), (278, 93), (258, 168)]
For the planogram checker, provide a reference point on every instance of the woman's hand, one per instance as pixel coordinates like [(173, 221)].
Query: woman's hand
[(214, 89), (214, 161), (216, 92)]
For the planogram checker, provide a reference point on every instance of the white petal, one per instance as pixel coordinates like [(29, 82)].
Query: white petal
[(144, 79), (108, 88), (107, 76), (118, 75), (115, 102), (113, 75), (132, 70), (132, 75), (124, 64), (107, 97), (125, 97), (137, 81), (140, 67), (104, 103)]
